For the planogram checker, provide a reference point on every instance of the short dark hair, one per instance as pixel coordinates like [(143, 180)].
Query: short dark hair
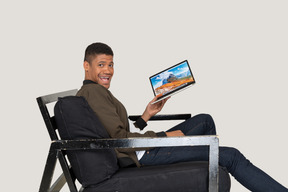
[(96, 49)]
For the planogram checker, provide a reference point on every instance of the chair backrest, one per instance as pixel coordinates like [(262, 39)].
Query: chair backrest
[(74, 120), (50, 121), (68, 175)]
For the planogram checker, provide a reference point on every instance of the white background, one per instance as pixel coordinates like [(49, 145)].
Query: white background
[(237, 51)]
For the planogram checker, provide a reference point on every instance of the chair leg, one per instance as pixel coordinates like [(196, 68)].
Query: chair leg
[(66, 171), (48, 171), (214, 165)]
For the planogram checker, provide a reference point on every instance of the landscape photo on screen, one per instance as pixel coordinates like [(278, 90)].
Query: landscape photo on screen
[(172, 79)]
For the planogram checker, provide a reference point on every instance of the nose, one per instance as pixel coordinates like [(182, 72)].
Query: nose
[(107, 70)]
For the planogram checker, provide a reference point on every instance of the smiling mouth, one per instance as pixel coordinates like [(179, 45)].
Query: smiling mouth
[(105, 79)]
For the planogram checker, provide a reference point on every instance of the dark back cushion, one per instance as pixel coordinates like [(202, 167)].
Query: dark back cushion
[(76, 120)]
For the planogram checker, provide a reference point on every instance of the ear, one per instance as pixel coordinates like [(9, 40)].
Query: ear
[(86, 66)]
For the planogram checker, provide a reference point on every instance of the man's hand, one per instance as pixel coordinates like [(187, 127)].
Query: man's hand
[(153, 109), (176, 133)]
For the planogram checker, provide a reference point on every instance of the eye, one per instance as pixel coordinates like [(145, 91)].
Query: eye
[(111, 65), (100, 65)]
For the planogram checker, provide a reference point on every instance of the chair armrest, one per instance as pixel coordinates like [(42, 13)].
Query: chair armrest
[(134, 142), (212, 141), (163, 117)]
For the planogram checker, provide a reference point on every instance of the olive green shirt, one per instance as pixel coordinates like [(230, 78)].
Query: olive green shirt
[(112, 114)]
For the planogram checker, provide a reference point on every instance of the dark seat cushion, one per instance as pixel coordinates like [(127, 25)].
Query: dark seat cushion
[(180, 177), (76, 120)]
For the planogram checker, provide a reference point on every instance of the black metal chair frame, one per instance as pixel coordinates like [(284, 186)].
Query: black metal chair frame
[(59, 147)]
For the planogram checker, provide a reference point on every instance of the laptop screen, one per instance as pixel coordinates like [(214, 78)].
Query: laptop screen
[(172, 79)]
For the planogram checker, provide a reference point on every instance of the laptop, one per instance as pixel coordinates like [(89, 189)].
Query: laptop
[(172, 80)]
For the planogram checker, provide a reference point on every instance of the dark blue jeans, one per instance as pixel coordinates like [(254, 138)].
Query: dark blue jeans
[(242, 169)]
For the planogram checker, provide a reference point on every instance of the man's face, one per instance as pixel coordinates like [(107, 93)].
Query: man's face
[(100, 70)]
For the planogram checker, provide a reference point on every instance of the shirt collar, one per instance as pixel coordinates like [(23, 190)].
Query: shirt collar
[(85, 82)]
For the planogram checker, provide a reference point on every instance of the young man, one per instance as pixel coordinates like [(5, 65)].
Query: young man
[(98, 66)]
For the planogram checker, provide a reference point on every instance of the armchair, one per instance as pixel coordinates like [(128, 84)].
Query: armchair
[(202, 176)]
